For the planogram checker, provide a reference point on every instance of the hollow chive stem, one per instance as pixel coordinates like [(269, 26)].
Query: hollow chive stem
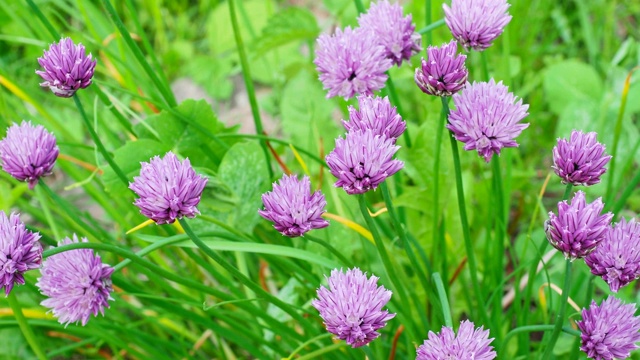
[(24, 326), (384, 256), (244, 279), (439, 240), (557, 329), (248, 82), (471, 258), (96, 140), (444, 302)]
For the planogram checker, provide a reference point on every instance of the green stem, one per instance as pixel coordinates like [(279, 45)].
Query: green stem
[(246, 74), (359, 6), (534, 265), (324, 350), (439, 241), (244, 279), (24, 326), (444, 302), (471, 258), (532, 328), (500, 231), (43, 19), (47, 212), (137, 53), (367, 352), (384, 256), (561, 310), (98, 143), (616, 137), (308, 342), (427, 17), (402, 234), (429, 28), (331, 249)]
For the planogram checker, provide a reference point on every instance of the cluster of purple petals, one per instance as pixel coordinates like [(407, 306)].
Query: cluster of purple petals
[(617, 258), (487, 118), (578, 228), (444, 72), (28, 152), (581, 160), (352, 306), (391, 30), (77, 284), (476, 23), (20, 251), (377, 114), (168, 189), (609, 331), (350, 62), (66, 68), (470, 343), (362, 161), (291, 209)]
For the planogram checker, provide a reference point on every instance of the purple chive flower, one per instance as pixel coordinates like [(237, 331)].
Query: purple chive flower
[(28, 152), (351, 62), (168, 189), (76, 283), (291, 208), (470, 343), (617, 258), (444, 72), (377, 114), (476, 23), (581, 160), (20, 251), (610, 330), (487, 118), (352, 306), (66, 68), (394, 32), (578, 228), (362, 161)]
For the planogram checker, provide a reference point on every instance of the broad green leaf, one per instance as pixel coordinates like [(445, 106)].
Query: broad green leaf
[(128, 158), (306, 114), (189, 131), (569, 81), (243, 176), (290, 25)]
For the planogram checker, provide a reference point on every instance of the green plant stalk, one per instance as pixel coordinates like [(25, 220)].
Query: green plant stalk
[(246, 74), (368, 353), (402, 234), (386, 262), (137, 53), (96, 140), (439, 241), (310, 341), (561, 310), (47, 212), (485, 65), (471, 258), (427, 17), (245, 280), (534, 267), (500, 231), (331, 249), (444, 302), (324, 350), (359, 6), (24, 326), (616, 137), (532, 328), (44, 20), (429, 28)]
